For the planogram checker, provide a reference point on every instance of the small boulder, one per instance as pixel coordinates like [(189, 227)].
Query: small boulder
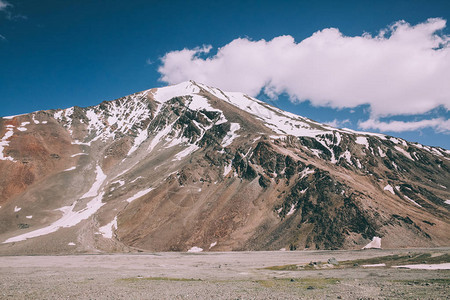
[(333, 261)]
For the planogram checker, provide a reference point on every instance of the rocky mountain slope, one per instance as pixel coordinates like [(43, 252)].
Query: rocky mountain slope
[(190, 167)]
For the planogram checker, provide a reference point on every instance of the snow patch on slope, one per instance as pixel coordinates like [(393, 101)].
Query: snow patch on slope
[(362, 141), (347, 155), (139, 195), (404, 152), (227, 169), (199, 102), (306, 172), (69, 218), (291, 211), (231, 135), (374, 265), (78, 154), (182, 154), (414, 202), (108, 229), (4, 142), (375, 243), (159, 136), (141, 137), (100, 178), (34, 119), (195, 249), (389, 189), (22, 126), (11, 117)]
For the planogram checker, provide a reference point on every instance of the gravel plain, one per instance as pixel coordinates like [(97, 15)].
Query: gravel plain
[(216, 275)]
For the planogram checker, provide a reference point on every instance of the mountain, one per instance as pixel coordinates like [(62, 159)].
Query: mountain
[(191, 167)]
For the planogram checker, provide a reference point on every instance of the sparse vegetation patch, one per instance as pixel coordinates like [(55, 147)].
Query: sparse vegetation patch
[(389, 261)]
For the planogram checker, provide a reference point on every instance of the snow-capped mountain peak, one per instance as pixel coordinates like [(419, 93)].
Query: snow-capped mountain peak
[(189, 165)]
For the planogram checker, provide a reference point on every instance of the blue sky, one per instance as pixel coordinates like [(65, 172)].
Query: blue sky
[(57, 54)]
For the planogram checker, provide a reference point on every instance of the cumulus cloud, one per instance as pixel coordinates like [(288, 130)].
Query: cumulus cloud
[(402, 70), (439, 124)]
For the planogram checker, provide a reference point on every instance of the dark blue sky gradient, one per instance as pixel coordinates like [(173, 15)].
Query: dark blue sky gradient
[(67, 53)]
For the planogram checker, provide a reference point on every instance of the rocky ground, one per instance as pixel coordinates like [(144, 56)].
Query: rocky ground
[(224, 275)]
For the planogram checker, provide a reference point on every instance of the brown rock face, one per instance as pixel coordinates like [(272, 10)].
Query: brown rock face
[(192, 166)]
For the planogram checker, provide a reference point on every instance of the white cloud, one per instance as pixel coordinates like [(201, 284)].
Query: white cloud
[(4, 5), (337, 123), (404, 70), (439, 124), (2, 38)]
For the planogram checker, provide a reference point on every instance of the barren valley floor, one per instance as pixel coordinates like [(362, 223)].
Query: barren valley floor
[(225, 275)]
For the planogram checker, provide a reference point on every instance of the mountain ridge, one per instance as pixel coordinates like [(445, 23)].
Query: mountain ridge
[(189, 165)]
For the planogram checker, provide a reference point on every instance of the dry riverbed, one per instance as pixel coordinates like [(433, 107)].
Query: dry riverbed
[(228, 275)]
